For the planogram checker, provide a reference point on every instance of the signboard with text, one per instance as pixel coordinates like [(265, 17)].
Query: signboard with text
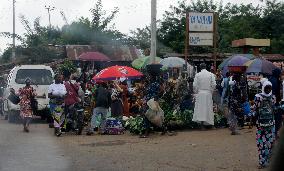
[(201, 22), (201, 30), (200, 39)]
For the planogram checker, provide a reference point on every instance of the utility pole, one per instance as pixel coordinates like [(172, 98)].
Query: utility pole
[(153, 30), (14, 34), (49, 9)]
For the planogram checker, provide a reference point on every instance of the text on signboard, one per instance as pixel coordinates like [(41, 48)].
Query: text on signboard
[(194, 40), (207, 20)]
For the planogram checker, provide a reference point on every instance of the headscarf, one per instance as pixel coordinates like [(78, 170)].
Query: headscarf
[(263, 80), (266, 83)]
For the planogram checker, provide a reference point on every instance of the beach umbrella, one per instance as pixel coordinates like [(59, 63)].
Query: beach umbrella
[(117, 72), (140, 63), (93, 56), (260, 65)]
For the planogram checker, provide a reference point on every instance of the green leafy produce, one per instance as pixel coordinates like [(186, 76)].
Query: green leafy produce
[(135, 125), (220, 120)]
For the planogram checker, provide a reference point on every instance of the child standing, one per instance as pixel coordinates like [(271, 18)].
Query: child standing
[(265, 135)]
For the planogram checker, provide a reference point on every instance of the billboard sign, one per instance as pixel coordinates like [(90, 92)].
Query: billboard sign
[(200, 39), (201, 22)]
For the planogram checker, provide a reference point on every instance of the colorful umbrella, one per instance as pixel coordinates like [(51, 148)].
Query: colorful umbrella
[(143, 61), (225, 62), (93, 56), (116, 72), (234, 61), (260, 65)]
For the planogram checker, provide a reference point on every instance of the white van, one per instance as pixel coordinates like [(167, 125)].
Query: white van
[(41, 76)]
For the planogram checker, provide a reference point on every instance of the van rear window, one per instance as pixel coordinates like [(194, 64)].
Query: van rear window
[(38, 76)]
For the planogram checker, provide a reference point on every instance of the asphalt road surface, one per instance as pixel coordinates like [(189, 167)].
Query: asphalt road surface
[(39, 150)]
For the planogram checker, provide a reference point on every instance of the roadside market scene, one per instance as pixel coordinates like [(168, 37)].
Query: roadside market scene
[(199, 87)]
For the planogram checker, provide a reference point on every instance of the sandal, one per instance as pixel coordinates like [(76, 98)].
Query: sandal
[(143, 136)]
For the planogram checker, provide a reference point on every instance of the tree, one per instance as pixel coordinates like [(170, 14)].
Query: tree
[(141, 37), (6, 56), (97, 30), (235, 21), (171, 32)]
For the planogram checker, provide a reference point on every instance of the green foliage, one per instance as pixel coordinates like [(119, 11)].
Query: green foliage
[(6, 56), (220, 120), (67, 66), (135, 125), (183, 120), (235, 21), (37, 39), (141, 37)]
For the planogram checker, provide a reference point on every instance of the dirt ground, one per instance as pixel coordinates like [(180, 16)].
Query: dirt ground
[(188, 150), (195, 150)]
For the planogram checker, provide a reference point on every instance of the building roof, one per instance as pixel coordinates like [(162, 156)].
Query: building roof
[(273, 57)]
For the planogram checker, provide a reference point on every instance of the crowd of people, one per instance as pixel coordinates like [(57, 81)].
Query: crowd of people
[(125, 98), (264, 109)]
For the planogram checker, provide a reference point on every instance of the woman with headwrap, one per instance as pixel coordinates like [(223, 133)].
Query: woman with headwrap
[(265, 135), (26, 94)]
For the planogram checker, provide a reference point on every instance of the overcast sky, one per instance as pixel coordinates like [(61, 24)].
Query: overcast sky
[(133, 13)]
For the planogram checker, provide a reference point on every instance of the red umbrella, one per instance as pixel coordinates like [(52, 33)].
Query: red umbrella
[(93, 56), (115, 72)]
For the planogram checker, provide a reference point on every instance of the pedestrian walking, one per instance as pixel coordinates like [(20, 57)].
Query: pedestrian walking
[(56, 93), (26, 112), (237, 97), (225, 89), (204, 84), (265, 135)]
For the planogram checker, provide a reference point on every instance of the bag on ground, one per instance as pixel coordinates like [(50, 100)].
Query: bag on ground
[(113, 127), (155, 114)]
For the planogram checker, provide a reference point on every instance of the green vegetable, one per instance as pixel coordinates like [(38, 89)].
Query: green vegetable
[(135, 125)]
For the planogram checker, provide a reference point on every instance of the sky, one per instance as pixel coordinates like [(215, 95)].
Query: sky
[(133, 13)]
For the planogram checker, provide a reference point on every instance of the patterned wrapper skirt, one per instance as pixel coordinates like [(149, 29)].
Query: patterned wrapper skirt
[(265, 137), (58, 115)]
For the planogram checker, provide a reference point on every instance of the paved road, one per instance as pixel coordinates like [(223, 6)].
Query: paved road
[(39, 150), (34, 151)]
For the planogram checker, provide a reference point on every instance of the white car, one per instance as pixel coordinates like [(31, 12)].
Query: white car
[(41, 76)]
